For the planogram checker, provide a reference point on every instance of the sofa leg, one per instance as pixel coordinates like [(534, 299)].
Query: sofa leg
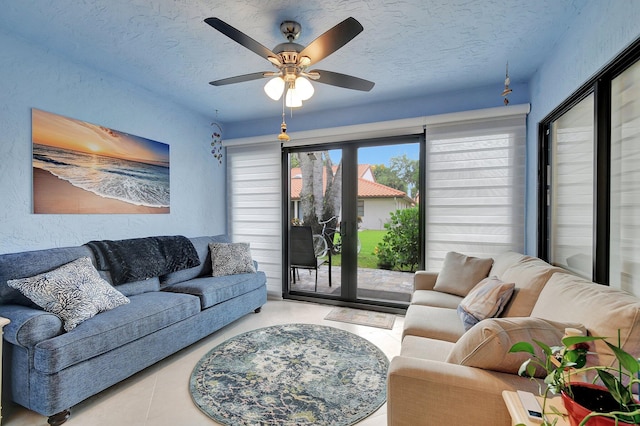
[(60, 418), (257, 310)]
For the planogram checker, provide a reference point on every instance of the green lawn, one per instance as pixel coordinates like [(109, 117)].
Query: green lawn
[(369, 239)]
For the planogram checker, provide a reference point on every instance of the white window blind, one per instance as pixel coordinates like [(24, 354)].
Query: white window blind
[(572, 154), (625, 181), (254, 205), (475, 188)]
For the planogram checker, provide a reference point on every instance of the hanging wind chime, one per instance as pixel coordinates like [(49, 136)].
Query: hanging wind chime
[(216, 141), (506, 90)]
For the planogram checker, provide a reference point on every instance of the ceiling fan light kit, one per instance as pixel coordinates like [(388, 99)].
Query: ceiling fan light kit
[(292, 60), (304, 88), (298, 90), (293, 99), (274, 88)]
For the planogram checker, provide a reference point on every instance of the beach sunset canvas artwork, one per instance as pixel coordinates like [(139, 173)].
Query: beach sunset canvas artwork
[(83, 168)]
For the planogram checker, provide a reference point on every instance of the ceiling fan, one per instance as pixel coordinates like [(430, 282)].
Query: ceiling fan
[(292, 60)]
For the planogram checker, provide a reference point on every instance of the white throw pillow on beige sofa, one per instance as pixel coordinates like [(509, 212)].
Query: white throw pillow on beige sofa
[(461, 273), (486, 300)]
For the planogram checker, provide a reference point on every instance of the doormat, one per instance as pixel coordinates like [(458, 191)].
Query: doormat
[(362, 317)]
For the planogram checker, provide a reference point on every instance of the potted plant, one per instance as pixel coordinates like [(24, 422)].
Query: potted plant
[(586, 403)]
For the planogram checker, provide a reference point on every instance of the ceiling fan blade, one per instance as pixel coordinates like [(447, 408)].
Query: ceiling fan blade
[(241, 78), (343, 80), (332, 40), (240, 37)]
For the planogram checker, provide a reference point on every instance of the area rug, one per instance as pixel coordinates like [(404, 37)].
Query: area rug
[(362, 317), (293, 374)]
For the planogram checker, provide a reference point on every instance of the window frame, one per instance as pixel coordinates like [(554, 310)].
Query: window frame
[(600, 86)]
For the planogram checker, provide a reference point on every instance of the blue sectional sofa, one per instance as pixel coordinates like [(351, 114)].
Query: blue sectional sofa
[(49, 370)]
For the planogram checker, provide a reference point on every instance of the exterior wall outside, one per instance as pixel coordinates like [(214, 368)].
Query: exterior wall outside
[(368, 175), (34, 78), (377, 211)]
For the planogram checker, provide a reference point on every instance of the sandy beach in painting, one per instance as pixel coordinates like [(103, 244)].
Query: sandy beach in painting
[(54, 195)]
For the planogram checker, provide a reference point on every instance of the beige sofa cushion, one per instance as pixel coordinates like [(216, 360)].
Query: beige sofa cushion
[(433, 322), (530, 275), (435, 298), (487, 344), (603, 310), (461, 273), (425, 348), (424, 280), (505, 260)]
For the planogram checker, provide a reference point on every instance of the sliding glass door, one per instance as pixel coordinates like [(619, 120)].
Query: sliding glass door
[(315, 202), (389, 243), (359, 205)]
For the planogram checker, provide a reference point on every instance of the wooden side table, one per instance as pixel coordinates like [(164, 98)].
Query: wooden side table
[(518, 415), (3, 322)]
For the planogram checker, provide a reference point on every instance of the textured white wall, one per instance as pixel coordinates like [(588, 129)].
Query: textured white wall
[(34, 78), (603, 30)]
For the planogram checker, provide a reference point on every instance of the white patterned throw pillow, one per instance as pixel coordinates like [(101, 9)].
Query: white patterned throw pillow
[(230, 259), (75, 292), (486, 300)]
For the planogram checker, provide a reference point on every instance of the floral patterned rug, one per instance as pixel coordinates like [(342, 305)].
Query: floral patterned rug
[(292, 374)]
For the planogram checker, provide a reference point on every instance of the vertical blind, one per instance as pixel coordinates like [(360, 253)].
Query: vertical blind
[(572, 162), (475, 188), (254, 205), (625, 181)]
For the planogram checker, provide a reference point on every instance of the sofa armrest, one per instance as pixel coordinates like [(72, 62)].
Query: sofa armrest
[(426, 392), (424, 280), (29, 326)]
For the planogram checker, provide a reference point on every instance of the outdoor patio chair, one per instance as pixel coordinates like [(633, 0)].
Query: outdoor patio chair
[(302, 253)]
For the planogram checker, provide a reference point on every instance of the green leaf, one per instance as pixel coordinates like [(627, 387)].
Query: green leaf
[(608, 379), (628, 362), (573, 340), (617, 390), (523, 347), (527, 369), (576, 358), (545, 348)]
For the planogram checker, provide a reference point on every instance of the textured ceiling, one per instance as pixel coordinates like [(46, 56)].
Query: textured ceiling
[(408, 48)]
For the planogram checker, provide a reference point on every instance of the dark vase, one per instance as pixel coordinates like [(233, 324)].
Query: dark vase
[(587, 398)]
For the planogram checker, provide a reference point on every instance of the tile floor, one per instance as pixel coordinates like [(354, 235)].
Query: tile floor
[(159, 395), (379, 284)]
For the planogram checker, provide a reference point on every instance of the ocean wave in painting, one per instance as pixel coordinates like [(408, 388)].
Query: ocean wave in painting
[(129, 181)]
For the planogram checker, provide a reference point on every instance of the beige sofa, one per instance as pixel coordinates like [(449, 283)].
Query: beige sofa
[(445, 375)]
